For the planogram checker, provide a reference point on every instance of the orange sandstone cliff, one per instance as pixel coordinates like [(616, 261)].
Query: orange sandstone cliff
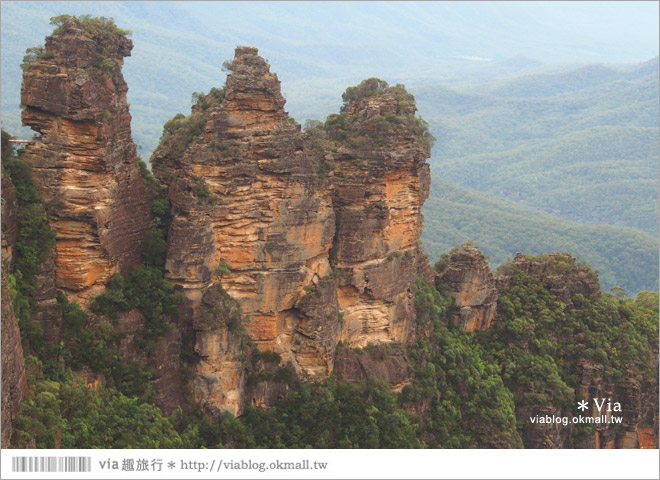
[(84, 162)]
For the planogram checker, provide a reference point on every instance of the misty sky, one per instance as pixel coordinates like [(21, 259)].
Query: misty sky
[(317, 48)]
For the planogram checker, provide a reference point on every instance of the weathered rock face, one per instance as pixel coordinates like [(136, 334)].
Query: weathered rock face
[(220, 377), (320, 241), (46, 310), (247, 196), (560, 273), (385, 361), (378, 192), (14, 382), (473, 287), (85, 164)]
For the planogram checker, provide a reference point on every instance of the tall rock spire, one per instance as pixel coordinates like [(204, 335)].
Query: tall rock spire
[(85, 163)]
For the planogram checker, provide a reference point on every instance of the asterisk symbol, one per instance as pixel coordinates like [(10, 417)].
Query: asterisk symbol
[(583, 405), (171, 464)]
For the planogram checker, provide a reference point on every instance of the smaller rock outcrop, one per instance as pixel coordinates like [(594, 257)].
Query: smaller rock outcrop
[(14, 382), (471, 283), (559, 271)]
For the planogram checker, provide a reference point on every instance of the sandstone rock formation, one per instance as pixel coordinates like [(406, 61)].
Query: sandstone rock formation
[(316, 238), (381, 179), (297, 251), (471, 283), (85, 163), (247, 196), (14, 382)]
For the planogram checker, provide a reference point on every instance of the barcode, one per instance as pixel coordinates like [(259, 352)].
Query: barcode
[(51, 464)]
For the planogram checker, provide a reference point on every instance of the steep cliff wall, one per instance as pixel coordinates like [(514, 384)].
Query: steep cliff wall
[(381, 179), (14, 382), (246, 196), (316, 237), (85, 163)]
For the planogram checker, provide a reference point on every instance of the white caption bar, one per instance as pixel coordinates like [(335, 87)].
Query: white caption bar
[(367, 464)]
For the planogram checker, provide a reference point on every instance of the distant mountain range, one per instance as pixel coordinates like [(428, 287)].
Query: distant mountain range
[(579, 144), (318, 48)]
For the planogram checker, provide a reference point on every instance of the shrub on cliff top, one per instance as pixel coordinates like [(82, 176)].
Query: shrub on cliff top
[(92, 27), (377, 128), (180, 131), (368, 88), (33, 54), (203, 101), (375, 86)]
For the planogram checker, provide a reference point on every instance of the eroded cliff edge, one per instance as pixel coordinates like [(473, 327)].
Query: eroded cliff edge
[(315, 234)]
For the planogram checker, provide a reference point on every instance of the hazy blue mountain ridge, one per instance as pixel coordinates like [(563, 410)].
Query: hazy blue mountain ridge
[(623, 256)]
